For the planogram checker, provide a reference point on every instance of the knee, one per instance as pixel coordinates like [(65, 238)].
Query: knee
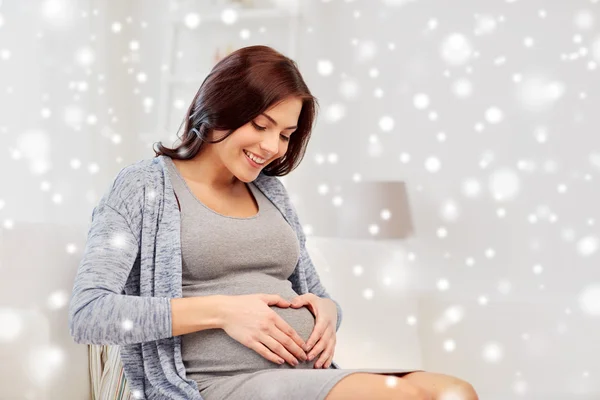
[(469, 392), (415, 392), (462, 390)]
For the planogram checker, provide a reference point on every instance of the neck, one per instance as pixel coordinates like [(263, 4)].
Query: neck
[(202, 171)]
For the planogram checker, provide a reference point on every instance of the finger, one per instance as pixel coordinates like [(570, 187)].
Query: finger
[(298, 302), (289, 338), (312, 308), (323, 357), (327, 355), (321, 345), (275, 300), (316, 334), (328, 362), (333, 343), (317, 349), (265, 352), (305, 301), (276, 347), (287, 329), (289, 344)]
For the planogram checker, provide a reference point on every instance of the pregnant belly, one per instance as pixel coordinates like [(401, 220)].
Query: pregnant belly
[(211, 353)]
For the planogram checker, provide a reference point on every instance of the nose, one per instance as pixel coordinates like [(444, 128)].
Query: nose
[(270, 144)]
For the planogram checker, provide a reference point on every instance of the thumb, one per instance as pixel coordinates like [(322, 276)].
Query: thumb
[(296, 301)]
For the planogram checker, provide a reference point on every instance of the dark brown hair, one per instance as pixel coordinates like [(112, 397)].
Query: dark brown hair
[(239, 88)]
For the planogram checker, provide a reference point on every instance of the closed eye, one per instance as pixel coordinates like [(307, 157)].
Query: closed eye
[(262, 128)]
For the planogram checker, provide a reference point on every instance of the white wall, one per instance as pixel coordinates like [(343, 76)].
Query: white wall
[(463, 296)]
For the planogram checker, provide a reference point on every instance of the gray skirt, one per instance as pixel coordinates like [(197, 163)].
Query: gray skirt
[(289, 384)]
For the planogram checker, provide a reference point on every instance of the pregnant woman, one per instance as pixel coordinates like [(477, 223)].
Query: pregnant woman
[(196, 262)]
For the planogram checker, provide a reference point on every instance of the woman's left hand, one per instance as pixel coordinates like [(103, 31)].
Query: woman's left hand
[(323, 336)]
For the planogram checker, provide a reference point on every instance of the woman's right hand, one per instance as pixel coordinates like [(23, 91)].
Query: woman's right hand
[(249, 320)]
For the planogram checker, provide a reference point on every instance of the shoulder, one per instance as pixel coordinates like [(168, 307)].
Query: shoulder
[(272, 185), (127, 189)]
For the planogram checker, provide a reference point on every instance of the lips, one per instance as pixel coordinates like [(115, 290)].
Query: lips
[(256, 155), (251, 162)]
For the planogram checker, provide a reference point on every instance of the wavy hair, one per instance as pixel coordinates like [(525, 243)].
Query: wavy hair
[(240, 87)]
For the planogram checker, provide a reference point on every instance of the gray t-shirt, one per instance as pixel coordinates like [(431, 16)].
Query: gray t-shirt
[(234, 256)]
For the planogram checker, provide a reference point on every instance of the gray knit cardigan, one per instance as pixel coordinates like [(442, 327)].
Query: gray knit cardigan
[(131, 268)]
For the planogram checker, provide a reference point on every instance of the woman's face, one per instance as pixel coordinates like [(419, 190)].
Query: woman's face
[(264, 137)]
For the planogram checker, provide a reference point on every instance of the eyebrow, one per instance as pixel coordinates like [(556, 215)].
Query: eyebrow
[(275, 122)]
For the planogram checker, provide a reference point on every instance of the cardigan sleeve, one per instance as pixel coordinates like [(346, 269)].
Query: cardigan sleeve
[(99, 312), (313, 280), (312, 276)]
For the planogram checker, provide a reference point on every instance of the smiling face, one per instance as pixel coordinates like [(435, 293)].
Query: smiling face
[(266, 136)]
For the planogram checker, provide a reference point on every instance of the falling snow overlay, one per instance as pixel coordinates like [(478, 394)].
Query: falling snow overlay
[(485, 111)]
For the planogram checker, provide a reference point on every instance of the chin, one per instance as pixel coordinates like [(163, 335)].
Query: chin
[(246, 177)]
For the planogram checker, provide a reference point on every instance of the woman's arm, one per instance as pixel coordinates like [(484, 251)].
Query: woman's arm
[(192, 314), (98, 311)]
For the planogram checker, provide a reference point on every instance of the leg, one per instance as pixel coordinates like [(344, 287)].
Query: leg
[(359, 385), (442, 387)]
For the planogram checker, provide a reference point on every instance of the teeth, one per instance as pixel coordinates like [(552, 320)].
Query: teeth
[(255, 158)]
